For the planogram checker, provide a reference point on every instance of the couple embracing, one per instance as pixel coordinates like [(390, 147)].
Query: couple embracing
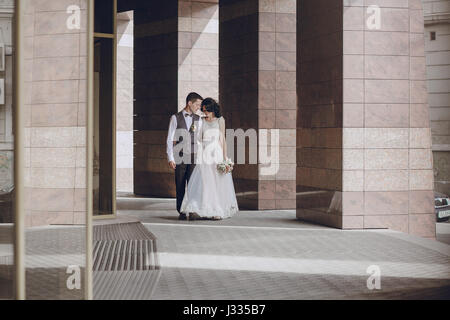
[(196, 150)]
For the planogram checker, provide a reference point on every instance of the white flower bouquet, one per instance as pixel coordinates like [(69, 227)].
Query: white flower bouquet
[(225, 166)]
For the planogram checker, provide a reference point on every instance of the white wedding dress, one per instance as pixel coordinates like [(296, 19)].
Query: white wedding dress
[(210, 193)]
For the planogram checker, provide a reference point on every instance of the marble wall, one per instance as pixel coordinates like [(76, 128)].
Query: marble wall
[(176, 52), (55, 109), (386, 163), (124, 103), (155, 93), (258, 91), (437, 53)]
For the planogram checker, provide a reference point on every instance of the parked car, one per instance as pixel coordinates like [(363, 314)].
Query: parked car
[(442, 207)]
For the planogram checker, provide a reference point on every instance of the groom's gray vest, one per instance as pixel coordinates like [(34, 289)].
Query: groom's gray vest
[(181, 124)]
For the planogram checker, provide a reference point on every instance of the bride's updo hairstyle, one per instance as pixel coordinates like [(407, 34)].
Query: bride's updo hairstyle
[(212, 106)]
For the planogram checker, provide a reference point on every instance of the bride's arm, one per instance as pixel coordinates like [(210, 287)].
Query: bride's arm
[(223, 137)]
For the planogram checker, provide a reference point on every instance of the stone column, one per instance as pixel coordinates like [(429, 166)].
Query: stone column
[(124, 101), (155, 93), (55, 107), (258, 91), (382, 173), (176, 52)]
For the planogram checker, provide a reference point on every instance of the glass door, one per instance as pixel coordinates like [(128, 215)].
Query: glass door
[(104, 162)]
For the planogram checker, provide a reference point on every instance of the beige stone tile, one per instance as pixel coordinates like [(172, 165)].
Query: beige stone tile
[(417, 46), (386, 180), (353, 138), (420, 159), (353, 66), (353, 115), (352, 222), (354, 18), (286, 99), (386, 67), (55, 92), (421, 179), (53, 177), (386, 43), (352, 180), (53, 157), (394, 19), (394, 222), (55, 22), (267, 5), (419, 138), (423, 225), (52, 199), (386, 203), (282, 22), (419, 93), (416, 21), (353, 91), (286, 41), (54, 115), (285, 6), (352, 203), (386, 138), (286, 119), (386, 159), (205, 10), (386, 91), (267, 61), (80, 178), (209, 57), (57, 45), (286, 61), (386, 116), (418, 68), (49, 5), (53, 137), (286, 172), (421, 201), (353, 159)]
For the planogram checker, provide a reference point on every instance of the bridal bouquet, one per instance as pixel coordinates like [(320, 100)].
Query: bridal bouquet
[(225, 166)]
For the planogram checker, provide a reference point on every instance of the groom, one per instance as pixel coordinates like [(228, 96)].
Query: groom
[(187, 120)]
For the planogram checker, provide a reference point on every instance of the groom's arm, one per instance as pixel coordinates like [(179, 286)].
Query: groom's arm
[(169, 142)]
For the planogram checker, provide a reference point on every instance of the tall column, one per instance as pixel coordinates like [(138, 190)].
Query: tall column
[(176, 52), (382, 173), (258, 91), (155, 93)]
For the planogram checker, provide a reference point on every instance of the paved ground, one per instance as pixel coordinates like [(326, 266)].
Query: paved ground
[(271, 255), (254, 255)]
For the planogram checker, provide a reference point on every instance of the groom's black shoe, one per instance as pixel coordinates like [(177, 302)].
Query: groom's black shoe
[(182, 216), (194, 216)]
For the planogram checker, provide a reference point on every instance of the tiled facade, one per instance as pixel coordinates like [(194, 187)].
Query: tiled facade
[(6, 118), (437, 52), (55, 113), (350, 104), (368, 161), (124, 101), (258, 75)]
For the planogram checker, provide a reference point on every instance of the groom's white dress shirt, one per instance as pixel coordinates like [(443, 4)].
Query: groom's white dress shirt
[(173, 126)]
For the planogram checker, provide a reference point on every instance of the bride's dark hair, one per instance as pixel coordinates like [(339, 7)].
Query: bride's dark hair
[(212, 106)]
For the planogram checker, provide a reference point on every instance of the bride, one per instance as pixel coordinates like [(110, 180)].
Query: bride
[(210, 193)]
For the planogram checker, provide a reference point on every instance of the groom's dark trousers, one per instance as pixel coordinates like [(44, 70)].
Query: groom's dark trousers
[(183, 171), (182, 174)]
